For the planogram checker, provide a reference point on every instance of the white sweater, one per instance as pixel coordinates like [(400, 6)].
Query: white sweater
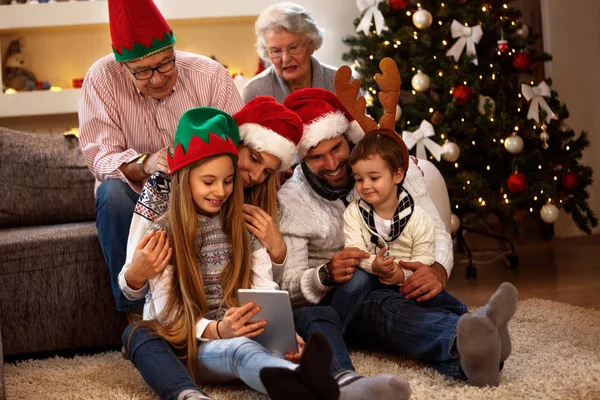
[(313, 229)]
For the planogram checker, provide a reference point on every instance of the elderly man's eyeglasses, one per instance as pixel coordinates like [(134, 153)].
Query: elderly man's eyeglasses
[(146, 74), (293, 49)]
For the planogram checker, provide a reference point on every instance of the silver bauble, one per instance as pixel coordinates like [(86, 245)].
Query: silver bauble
[(422, 18), (454, 223), (420, 82), (398, 112), (514, 144), (549, 213), (483, 100), (451, 151)]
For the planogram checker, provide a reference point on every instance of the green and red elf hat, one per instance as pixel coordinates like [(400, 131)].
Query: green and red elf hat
[(203, 132), (137, 29)]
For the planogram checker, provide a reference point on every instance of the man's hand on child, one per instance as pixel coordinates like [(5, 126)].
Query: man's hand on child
[(235, 322), (424, 284), (295, 358)]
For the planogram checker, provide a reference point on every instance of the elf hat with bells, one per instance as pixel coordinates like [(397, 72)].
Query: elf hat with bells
[(389, 83), (203, 132), (137, 29)]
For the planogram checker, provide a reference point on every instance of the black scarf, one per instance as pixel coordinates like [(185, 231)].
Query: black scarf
[(324, 190)]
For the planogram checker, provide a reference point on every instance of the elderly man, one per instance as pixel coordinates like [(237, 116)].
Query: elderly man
[(421, 320), (131, 101)]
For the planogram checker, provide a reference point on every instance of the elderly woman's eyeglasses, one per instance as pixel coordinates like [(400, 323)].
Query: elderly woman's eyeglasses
[(293, 49), (146, 74)]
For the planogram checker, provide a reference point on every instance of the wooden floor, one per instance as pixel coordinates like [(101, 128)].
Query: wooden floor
[(565, 270)]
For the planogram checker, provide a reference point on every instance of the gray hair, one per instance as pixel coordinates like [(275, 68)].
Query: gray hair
[(291, 17)]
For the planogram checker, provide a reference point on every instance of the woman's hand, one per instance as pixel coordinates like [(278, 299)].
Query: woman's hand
[(261, 225), (235, 322), (296, 357), (151, 257)]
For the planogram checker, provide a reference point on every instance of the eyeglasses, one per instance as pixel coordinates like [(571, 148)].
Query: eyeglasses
[(293, 49), (146, 74)]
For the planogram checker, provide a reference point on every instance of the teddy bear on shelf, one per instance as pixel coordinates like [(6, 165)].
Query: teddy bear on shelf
[(16, 73)]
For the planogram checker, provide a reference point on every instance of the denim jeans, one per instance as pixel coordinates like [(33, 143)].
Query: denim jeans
[(115, 202), (159, 366), (324, 319), (422, 331), (219, 361), (346, 298)]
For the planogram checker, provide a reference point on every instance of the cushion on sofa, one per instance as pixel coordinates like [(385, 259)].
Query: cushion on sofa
[(44, 179)]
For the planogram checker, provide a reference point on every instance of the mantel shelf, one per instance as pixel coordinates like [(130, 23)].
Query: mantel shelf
[(74, 13), (39, 102)]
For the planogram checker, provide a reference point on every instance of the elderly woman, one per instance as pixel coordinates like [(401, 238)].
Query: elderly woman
[(287, 35)]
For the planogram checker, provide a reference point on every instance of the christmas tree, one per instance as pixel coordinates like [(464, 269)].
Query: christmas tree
[(470, 105)]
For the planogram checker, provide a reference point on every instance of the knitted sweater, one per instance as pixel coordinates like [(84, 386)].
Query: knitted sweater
[(214, 252), (416, 241), (267, 83), (313, 229)]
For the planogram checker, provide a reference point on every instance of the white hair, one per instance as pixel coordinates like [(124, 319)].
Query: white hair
[(288, 16)]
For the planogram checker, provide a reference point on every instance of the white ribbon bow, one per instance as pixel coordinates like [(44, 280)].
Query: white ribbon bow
[(537, 93), (467, 36), (370, 7), (420, 137)]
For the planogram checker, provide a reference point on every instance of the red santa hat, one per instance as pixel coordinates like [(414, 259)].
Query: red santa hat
[(324, 117), (137, 29), (266, 125)]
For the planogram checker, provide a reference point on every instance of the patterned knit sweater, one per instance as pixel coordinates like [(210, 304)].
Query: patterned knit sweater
[(313, 229), (214, 252)]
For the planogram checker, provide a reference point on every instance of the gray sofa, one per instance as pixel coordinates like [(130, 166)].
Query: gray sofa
[(55, 292)]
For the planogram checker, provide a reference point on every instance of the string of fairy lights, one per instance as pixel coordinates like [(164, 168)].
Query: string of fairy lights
[(494, 71)]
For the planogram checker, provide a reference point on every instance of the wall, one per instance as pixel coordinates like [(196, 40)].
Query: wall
[(571, 35)]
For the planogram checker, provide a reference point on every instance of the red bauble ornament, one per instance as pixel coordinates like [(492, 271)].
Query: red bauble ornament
[(521, 61), (570, 180), (503, 45), (517, 183), (399, 4), (462, 94)]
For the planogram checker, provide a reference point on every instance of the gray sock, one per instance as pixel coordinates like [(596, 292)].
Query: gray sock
[(380, 387), (478, 344), (192, 394), (500, 309)]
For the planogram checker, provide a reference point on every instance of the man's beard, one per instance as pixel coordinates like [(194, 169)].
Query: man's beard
[(324, 189), (341, 180)]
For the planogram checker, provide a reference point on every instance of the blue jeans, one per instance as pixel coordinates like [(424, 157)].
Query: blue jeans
[(324, 319), (115, 202), (152, 355), (346, 298), (422, 331), (219, 361)]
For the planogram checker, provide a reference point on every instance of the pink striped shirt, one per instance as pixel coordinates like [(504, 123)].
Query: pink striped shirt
[(117, 123)]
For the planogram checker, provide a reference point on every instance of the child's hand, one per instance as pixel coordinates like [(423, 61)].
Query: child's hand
[(235, 322), (395, 278), (295, 358), (151, 257), (383, 266)]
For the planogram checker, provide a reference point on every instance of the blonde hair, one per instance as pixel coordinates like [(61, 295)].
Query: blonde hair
[(265, 197), (187, 303)]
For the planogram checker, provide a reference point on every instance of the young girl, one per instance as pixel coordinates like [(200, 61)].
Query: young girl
[(194, 300), (385, 221)]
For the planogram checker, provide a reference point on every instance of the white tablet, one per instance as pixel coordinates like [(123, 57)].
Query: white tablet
[(279, 336)]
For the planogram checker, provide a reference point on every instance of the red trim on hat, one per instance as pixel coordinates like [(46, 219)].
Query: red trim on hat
[(199, 149)]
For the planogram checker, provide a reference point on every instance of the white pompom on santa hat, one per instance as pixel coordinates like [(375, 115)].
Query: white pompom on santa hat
[(324, 117), (268, 126)]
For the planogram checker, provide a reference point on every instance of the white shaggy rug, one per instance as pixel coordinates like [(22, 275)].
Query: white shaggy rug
[(556, 355)]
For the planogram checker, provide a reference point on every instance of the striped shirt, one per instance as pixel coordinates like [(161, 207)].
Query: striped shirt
[(117, 122)]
